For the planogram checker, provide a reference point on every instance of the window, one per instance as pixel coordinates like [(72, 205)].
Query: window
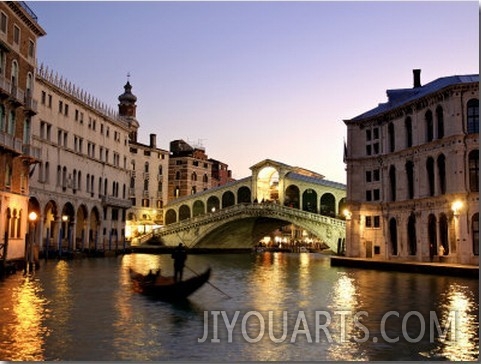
[(3, 22), (43, 98), (392, 182), (473, 116), (16, 35), (440, 121), (442, 174), (391, 137), (31, 48), (373, 221), (372, 141), (473, 165), (3, 58), (410, 178), (475, 233), (409, 132), (428, 117), (430, 172)]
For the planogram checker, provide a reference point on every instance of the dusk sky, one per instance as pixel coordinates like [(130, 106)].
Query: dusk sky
[(256, 80)]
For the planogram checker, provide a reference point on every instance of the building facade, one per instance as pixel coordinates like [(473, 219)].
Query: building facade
[(19, 32), (190, 170), (80, 187), (413, 174), (148, 186)]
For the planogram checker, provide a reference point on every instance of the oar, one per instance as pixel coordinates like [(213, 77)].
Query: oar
[(221, 291)]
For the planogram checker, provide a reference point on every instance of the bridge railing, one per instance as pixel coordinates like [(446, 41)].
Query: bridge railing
[(251, 209)]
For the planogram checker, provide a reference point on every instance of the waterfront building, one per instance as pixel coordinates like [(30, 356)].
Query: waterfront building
[(80, 187), (148, 179), (191, 171), (19, 32), (413, 174)]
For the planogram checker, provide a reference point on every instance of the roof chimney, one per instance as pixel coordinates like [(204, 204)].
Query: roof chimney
[(153, 140), (417, 78)]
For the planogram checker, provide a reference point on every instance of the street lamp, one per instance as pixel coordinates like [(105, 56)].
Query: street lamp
[(32, 217), (60, 234), (456, 206)]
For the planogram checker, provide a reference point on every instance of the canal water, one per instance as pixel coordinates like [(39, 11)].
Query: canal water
[(257, 307)]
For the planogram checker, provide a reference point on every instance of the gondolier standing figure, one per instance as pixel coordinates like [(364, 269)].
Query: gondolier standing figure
[(180, 256)]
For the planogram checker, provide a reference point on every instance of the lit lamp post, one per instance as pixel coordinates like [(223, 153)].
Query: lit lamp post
[(32, 217), (61, 233)]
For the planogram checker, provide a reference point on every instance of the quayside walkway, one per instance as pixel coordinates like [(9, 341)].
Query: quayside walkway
[(439, 268)]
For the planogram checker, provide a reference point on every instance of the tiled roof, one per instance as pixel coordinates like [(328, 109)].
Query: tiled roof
[(399, 97), (314, 180)]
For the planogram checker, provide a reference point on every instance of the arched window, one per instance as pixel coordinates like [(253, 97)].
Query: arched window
[(146, 167), (432, 235), (440, 121), (392, 182), (412, 234), (194, 176), (177, 175), (14, 74), (473, 164), (428, 117), (391, 137), (443, 233), (473, 116), (430, 172), (475, 233), (409, 132), (146, 184), (393, 235), (410, 178), (442, 174), (205, 179), (160, 170), (2, 119)]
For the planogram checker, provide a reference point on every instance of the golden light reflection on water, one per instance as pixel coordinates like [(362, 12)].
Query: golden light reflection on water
[(26, 327), (344, 305), (269, 276), (461, 342)]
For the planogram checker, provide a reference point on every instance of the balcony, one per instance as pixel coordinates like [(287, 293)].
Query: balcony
[(116, 202), (11, 144), (30, 105), (15, 95), (31, 153)]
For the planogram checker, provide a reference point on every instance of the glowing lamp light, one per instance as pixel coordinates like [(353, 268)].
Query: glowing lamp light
[(64, 218), (32, 216), (347, 214), (456, 207)]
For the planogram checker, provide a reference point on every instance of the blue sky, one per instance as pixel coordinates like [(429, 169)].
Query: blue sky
[(254, 80)]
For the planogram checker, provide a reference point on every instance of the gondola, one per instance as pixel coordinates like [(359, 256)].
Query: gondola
[(165, 288)]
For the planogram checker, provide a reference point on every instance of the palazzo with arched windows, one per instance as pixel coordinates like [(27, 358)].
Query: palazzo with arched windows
[(413, 174)]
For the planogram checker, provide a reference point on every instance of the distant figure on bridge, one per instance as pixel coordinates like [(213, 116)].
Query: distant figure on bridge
[(180, 256)]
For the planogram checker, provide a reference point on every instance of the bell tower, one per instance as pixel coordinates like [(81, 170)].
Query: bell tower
[(127, 110)]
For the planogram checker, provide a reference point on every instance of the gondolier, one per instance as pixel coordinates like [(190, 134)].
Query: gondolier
[(180, 256)]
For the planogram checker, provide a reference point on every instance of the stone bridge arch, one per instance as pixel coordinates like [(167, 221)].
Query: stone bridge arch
[(243, 225)]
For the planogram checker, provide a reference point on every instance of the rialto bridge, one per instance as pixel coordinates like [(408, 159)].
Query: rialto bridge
[(241, 213)]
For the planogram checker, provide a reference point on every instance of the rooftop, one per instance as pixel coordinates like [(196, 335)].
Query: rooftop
[(400, 97)]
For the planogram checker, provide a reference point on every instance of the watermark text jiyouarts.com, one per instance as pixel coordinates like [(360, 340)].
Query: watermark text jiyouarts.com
[(336, 326)]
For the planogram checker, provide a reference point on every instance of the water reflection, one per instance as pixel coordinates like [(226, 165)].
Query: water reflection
[(26, 329), (86, 310), (461, 342)]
